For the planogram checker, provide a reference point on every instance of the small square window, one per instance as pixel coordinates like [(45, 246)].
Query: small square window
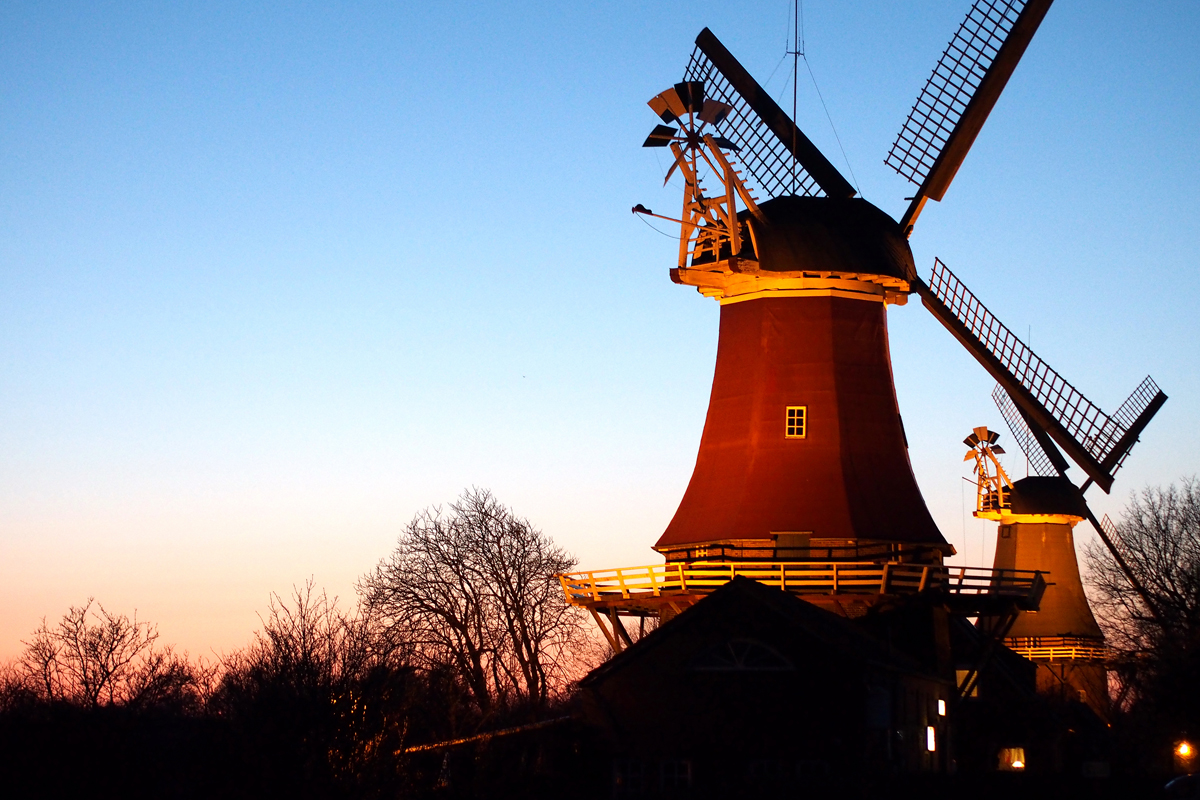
[(797, 422)]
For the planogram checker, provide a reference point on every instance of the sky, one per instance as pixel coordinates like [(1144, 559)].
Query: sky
[(273, 278)]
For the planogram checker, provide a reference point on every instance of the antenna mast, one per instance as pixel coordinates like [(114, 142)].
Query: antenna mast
[(795, 77)]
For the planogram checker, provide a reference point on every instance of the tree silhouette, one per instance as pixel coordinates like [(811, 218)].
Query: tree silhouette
[(474, 588)]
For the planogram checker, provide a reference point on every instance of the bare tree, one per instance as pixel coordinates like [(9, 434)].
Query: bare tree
[(316, 683), (1159, 537), (429, 590), (520, 565), (309, 644), (475, 588), (94, 658)]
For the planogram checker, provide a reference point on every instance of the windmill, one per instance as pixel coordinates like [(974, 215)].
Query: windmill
[(1036, 517), (803, 479), (804, 278)]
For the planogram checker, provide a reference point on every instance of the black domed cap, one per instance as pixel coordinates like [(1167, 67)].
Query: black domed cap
[(1038, 495), (826, 234)]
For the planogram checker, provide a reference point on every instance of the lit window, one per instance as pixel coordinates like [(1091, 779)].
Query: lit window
[(941, 708), (1012, 759), (796, 421), (930, 738)]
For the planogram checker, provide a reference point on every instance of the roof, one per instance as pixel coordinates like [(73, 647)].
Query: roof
[(826, 234), (742, 596), (1047, 495)]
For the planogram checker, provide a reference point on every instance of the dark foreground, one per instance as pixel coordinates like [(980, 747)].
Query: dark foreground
[(115, 753)]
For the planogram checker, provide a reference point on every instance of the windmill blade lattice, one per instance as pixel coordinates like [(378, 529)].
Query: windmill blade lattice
[(1039, 462), (951, 86), (769, 165), (1094, 440)]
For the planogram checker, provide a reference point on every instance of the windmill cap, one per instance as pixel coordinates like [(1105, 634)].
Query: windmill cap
[(829, 234), (1053, 495)]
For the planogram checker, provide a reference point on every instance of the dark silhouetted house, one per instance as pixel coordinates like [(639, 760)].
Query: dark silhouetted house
[(753, 689)]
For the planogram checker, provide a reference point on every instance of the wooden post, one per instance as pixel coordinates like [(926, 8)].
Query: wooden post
[(614, 643), (619, 627)]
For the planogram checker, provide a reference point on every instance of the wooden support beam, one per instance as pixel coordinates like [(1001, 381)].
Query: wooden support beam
[(619, 627), (997, 634), (613, 642)]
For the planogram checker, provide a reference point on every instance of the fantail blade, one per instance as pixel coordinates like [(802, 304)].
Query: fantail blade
[(668, 105), (691, 94), (722, 142), (661, 136), (714, 112)]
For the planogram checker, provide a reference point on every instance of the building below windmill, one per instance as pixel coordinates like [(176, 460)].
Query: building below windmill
[(801, 694)]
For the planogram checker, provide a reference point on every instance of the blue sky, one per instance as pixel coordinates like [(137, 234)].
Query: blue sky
[(273, 278)]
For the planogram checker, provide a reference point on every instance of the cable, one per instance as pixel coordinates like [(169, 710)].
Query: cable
[(658, 160), (831, 125), (777, 66), (797, 51), (800, 7), (656, 230), (962, 493)]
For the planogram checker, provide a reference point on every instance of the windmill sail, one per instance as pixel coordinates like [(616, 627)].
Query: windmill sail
[(959, 95), (779, 158), (1026, 439), (1039, 461), (1096, 441)]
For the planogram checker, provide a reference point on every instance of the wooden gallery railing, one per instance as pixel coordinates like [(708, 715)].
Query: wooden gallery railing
[(633, 588), (1059, 648)]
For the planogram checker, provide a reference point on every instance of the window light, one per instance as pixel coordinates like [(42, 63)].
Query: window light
[(797, 422), (1012, 759)]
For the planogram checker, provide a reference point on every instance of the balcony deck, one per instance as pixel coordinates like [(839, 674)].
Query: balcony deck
[(650, 590)]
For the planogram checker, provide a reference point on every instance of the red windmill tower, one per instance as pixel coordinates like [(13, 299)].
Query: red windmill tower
[(802, 479)]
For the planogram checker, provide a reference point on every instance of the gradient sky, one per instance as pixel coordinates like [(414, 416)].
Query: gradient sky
[(274, 278)]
